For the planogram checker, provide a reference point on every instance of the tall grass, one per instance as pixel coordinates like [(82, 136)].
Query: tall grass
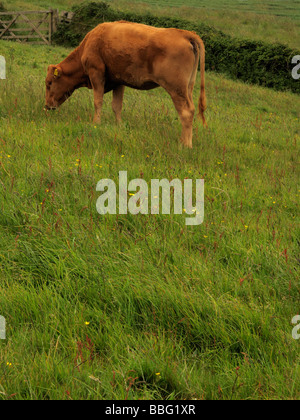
[(255, 20), (270, 21), (128, 307)]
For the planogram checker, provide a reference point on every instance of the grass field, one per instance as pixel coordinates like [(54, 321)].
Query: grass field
[(288, 8), (259, 20), (129, 307), (270, 21)]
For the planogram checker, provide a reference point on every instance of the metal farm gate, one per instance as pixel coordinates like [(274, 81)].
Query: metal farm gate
[(30, 27)]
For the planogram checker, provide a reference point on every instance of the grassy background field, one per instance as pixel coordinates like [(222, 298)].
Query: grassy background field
[(271, 21), (128, 307)]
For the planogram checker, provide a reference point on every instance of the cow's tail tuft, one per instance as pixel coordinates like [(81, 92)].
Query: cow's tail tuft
[(202, 98)]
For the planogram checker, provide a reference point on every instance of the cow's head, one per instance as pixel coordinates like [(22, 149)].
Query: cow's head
[(59, 87)]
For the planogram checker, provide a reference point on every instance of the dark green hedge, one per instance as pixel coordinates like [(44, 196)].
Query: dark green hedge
[(2, 9), (7, 17), (250, 61)]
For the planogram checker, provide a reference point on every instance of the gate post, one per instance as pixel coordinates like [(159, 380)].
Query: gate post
[(54, 17)]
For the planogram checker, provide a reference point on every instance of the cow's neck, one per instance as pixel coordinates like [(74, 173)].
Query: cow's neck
[(73, 68)]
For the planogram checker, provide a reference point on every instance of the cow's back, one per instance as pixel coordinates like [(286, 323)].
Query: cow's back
[(138, 55)]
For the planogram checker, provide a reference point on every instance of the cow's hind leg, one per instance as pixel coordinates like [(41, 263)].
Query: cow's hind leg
[(186, 110), (117, 102)]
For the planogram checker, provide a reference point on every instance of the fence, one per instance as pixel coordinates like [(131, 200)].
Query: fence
[(30, 27)]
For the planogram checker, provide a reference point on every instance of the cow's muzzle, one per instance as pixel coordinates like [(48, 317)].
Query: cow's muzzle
[(49, 108)]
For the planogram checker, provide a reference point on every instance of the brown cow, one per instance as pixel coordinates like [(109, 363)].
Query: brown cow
[(119, 54)]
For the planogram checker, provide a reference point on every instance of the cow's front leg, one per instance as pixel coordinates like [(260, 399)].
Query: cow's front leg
[(98, 102), (97, 79), (117, 102)]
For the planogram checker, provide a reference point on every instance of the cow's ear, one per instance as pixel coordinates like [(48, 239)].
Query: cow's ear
[(57, 72)]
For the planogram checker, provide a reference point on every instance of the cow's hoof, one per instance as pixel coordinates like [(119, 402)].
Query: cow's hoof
[(186, 145)]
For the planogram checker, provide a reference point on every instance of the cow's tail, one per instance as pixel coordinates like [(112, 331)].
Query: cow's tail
[(202, 98)]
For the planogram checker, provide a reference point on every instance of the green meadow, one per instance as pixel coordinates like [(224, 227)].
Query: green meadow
[(271, 7), (270, 21), (145, 307)]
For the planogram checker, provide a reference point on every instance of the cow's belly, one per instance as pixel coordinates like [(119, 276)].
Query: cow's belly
[(109, 85), (143, 86), (112, 81)]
